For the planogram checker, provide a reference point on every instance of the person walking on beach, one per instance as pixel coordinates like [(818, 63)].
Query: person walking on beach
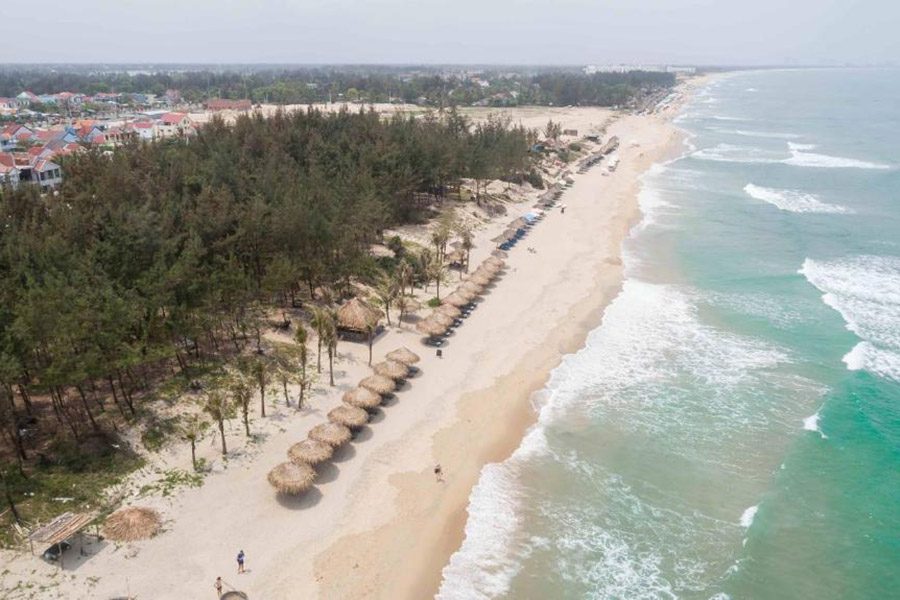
[(439, 473), (240, 560), (218, 586)]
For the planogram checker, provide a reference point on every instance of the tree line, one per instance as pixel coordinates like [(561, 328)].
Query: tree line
[(308, 85)]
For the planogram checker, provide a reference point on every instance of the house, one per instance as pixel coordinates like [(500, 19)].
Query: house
[(8, 105), (144, 130), (216, 104), (26, 99), (175, 124), (13, 135), (9, 174), (46, 173)]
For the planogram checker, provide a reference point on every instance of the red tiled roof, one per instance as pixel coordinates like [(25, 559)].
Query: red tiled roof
[(172, 118)]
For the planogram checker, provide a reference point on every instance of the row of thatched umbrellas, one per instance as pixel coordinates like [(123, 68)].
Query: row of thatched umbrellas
[(298, 474), (444, 316)]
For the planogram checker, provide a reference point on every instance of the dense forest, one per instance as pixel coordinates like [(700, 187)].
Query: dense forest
[(153, 259), (289, 86)]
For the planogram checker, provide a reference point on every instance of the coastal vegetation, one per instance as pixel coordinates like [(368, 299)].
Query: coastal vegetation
[(151, 274), (434, 86)]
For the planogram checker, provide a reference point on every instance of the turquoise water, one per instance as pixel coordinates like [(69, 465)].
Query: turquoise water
[(732, 430)]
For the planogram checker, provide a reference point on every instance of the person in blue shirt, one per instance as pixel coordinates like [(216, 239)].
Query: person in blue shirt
[(240, 559)]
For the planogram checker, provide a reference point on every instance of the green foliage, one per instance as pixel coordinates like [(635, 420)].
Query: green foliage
[(170, 481), (534, 178), (433, 303), (158, 432), (575, 147)]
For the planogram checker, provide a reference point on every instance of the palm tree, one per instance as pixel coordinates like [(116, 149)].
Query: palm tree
[(261, 374), (219, 408), (242, 395), (386, 290), (319, 322), (404, 274), (330, 340), (300, 338), (439, 238), (191, 430), (467, 243), (437, 273)]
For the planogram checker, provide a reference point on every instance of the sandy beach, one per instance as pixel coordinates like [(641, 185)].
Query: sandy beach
[(378, 524)]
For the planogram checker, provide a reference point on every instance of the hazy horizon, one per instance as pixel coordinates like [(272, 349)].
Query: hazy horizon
[(509, 32)]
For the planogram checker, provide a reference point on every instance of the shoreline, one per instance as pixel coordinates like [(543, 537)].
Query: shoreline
[(414, 546), (377, 524)]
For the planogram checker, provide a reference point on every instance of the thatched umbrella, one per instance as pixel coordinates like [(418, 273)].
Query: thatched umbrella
[(494, 261), (408, 305), (378, 384), (456, 299), (132, 523), (489, 268), (392, 368), (500, 253), (449, 310), (362, 398), (292, 478), (357, 315), (348, 416), (330, 433), (430, 327), (481, 278), (403, 355), (310, 452), (472, 287), (441, 318), (467, 294), (518, 223)]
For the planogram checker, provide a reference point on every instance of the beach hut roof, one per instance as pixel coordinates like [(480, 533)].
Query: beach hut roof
[(466, 293), (482, 278), (310, 452), (357, 315), (430, 327), (292, 478), (392, 369), (362, 398), (408, 304), (378, 384), (471, 286), (441, 318), (403, 355), (348, 416), (332, 434), (494, 261), (456, 299), (449, 310), (499, 253), (132, 523)]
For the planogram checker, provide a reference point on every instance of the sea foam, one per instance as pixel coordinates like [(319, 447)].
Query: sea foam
[(800, 157), (748, 515), (793, 200), (865, 290)]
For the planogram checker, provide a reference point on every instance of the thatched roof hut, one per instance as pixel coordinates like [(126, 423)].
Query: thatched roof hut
[(481, 278), (362, 398), (449, 310), (456, 299), (430, 327), (471, 287), (310, 452), (392, 369), (407, 304), (500, 253), (494, 261), (330, 433), (132, 523), (403, 355), (348, 416), (292, 478), (441, 318), (356, 315), (378, 384)]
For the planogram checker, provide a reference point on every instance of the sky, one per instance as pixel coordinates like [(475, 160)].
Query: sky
[(723, 32)]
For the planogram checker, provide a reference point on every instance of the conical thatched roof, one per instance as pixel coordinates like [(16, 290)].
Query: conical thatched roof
[(471, 286), (408, 304), (311, 452), (456, 299), (465, 293), (430, 327), (441, 318), (500, 253), (494, 261), (330, 433), (132, 523), (392, 369), (449, 310), (292, 478), (362, 398), (404, 355), (357, 315), (489, 268), (378, 384), (481, 278), (348, 416)]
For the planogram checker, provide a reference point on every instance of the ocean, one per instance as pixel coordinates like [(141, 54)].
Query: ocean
[(732, 429)]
